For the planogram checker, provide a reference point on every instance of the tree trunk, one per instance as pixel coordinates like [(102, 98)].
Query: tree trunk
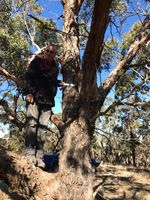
[(75, 167), (133, 147)]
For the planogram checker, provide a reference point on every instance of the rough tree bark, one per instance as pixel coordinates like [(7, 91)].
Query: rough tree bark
[(79, 102)]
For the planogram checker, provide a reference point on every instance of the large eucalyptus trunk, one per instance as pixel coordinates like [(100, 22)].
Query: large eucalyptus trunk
[(80, 103), (74, 166)]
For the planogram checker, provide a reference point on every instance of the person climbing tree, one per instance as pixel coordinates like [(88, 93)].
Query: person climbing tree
[(41, 88)]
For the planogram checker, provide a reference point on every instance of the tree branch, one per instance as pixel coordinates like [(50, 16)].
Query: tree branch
[(92, 52), (53, 29), (119, 103), (10, 115), (31, 37), (22, 5), (7, 75), (137, 65), (119, 70), (100, 21)]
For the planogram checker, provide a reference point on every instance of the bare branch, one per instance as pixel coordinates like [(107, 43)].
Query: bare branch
[(7, 75), (140, 40), (53, 29), (116, 137), (93, 51), (143, 64), (138, 74), (31, 37), (11, 115), (116, 26), (22, 5), (121, 102)]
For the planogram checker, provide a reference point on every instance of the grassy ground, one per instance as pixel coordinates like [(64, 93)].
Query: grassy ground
[(114, 182)]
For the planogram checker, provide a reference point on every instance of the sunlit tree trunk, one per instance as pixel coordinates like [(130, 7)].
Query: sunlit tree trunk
[(80, 105), (74, 166)]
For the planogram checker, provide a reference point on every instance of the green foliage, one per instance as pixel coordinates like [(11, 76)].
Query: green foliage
[(125, 130), (129, 37), (13, 49), (108, 54), (15, 142), (42, 35), (3, 142), (119, 8), (124, 85)]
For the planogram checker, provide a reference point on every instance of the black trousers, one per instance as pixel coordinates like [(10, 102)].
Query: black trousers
[(37, 116)]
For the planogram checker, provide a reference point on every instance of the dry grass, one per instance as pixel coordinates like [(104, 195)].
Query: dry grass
[(122, 183)]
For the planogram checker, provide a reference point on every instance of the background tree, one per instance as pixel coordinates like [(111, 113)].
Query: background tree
[(123, 139)]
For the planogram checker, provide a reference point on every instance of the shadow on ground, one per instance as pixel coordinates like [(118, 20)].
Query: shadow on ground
[(122, 183)]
